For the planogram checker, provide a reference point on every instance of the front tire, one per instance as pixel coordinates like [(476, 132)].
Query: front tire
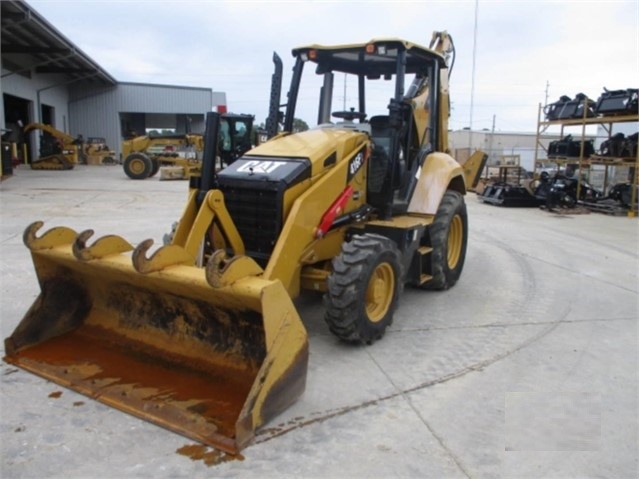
[(448, 236), (363, 288), (138, 166)]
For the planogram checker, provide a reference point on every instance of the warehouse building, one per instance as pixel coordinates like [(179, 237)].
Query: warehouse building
[(47, 79)]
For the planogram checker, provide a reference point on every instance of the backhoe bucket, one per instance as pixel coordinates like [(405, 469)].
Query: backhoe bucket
[(211, 353)]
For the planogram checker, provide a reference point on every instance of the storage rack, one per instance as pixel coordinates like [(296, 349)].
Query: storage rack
[(585, 162)]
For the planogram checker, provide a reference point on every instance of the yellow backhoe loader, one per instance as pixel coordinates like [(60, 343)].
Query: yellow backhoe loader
[(201, 336), (145, 155)]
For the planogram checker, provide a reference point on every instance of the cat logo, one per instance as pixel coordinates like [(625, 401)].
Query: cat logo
[(252, 167)]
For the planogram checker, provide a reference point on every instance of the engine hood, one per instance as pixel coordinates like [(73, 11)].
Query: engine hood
[(323, 147)]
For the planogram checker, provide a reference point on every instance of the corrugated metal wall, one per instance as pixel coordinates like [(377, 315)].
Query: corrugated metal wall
[(96, 112), (139, 97), (93, 113)]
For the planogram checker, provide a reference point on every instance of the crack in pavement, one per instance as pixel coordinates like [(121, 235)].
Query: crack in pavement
[(272, 433), (505, 325)]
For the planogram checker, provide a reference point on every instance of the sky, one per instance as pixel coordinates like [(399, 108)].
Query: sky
[(511, 56)]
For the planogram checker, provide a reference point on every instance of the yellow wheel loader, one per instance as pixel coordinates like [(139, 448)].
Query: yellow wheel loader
[(201, 335), (58, 150), (145, 155)]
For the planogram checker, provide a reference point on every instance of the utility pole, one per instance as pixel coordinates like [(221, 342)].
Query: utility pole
[(490, 144), (472, 87), (547, 87), (344, 109)]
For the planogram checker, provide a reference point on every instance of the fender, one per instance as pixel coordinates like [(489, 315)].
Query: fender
[(438, 173)]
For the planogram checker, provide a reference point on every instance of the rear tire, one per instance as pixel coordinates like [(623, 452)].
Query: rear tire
[(363, 288), (155, 168), (137, 166), (448, 236)]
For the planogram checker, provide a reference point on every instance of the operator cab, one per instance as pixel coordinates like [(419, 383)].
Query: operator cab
[(408, 129)]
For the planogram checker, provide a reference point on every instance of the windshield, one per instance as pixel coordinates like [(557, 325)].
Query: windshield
[(360, 78)]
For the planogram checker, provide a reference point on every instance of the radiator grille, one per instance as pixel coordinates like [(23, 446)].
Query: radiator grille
[(257, 217)]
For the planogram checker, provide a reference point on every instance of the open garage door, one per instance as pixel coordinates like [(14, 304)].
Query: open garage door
[(18, 112)]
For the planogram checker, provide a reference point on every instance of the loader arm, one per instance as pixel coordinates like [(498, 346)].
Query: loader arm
[(196, 221), (65, 137), (205, 206)]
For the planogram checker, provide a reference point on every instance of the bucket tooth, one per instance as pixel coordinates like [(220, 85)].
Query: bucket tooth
[(102, 247), (164, 257), (58, 236), (221, 271)]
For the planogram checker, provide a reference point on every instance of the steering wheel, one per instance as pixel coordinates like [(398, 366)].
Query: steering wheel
[(349, 115)]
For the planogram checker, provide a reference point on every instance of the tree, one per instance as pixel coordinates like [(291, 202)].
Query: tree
[(299, 125)]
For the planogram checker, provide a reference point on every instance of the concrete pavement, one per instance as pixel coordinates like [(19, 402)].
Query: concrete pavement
[(527, 368)]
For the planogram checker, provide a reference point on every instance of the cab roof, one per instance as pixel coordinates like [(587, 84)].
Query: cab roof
[(374, 58)]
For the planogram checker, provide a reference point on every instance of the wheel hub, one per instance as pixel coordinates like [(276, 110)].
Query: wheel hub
[(379, 293), (137, 166), (455, 239)]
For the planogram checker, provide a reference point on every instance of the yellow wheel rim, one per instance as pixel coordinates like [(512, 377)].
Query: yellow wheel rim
[(379, 293), (136, 166), (455, 239)]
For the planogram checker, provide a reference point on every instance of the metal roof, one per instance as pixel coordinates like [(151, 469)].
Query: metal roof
[(380, 60), (30, 43)]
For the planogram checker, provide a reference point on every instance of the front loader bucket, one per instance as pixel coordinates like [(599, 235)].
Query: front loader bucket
[(211, 353)]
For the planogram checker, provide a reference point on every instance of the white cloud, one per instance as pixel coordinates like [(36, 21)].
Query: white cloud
[(575, 46)]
